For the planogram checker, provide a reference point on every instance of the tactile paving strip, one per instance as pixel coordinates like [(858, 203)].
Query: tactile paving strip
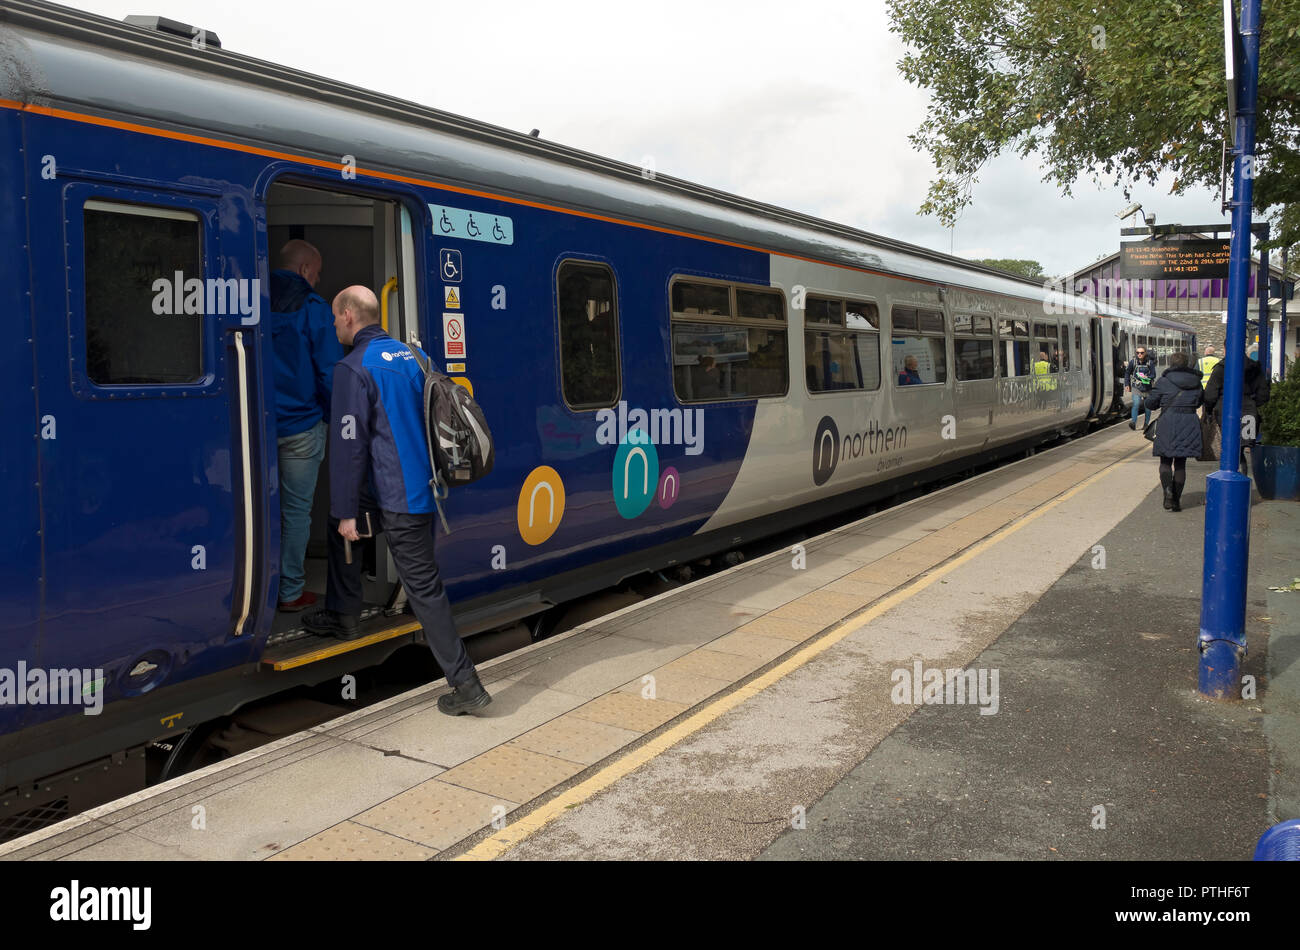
[(349, 841), (435, 813), (511, 772)]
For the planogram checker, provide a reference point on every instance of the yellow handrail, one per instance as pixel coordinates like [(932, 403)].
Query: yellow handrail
[(389, 287)]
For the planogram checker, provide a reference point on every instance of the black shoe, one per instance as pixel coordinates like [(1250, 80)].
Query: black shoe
[(1132, 424), (1177, 495), (331, 623), (1169, 500), (466, 697)]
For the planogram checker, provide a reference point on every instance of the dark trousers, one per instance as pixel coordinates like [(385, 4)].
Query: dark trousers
[(343, 593), (410, 538)]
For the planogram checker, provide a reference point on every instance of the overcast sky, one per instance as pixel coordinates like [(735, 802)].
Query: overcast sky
[(798, 104)]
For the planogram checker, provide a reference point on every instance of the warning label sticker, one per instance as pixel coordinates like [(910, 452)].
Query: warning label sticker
[(453, 336), (450, 298)]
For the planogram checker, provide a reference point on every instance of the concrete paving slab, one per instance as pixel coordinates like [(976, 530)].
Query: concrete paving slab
[(576, 739), (510, 772), (711, 663), (745, 643), (299, 800), (823, 607), (676, 686), (435, 814), (349, 841), (628, 711), (605, 663), (431, 736)]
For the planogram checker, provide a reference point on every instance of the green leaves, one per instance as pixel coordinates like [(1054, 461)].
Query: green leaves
[(1099, 88)]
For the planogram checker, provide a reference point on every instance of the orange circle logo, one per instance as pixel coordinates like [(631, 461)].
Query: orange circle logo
[(541, 505)]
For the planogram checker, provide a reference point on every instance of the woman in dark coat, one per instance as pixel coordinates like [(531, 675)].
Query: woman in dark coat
[(1178, 431)]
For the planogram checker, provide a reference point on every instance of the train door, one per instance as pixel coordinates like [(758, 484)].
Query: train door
[(149, 467), (360, 239), (1102, 364), (922, 385), (975, 393)]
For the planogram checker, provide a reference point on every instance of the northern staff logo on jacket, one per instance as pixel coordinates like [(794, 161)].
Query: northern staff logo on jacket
[(378, 424)]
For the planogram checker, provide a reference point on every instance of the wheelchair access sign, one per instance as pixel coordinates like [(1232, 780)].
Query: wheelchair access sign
[(472, 225)]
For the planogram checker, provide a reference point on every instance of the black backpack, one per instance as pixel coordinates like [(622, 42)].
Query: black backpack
[(457, 433)]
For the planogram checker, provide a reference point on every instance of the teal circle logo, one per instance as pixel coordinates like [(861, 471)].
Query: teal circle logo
[(636, 474)]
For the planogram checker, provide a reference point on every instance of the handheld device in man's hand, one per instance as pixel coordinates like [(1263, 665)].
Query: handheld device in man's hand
[(364, 530)]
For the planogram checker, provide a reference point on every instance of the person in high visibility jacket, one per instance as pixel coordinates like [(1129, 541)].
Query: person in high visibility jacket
[(1043, 368), (1207, 363)]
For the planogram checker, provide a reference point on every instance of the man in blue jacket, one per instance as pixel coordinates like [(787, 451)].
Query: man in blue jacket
[(378, 432), (306, 349)]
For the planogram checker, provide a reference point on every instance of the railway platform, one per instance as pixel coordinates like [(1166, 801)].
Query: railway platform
[(788, 707)]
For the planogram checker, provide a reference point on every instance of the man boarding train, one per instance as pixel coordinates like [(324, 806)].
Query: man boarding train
[(378, 446)]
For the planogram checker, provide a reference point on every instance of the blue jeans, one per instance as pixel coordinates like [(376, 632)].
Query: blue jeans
[(1137, 399), (300, 458)]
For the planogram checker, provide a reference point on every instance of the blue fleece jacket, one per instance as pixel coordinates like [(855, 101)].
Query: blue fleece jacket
[(306, 350), (377, 426)]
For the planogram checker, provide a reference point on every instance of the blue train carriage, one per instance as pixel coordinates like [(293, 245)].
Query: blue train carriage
[(668, 370)]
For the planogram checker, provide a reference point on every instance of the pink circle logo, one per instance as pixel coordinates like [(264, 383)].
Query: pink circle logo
[(670, 486)]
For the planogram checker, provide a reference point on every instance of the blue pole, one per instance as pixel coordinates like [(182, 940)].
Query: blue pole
[(1265, 326), (1281, 325), (1222, 638)]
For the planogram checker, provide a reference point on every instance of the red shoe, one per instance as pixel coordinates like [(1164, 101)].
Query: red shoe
[(305, 600)]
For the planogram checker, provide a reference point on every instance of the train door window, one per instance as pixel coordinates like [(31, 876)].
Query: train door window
[(919, 347), (1078, 347), (127, 341), (589, 364), (973, 346), (1045, 349), (841, 345), (728, 341), (1013, 336), (1065, 348)]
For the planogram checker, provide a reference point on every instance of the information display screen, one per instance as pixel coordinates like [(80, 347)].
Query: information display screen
[(1174, 260)]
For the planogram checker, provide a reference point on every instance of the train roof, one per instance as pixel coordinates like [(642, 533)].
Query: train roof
[(59, 57)]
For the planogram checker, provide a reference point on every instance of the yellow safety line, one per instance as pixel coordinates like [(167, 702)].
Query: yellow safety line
[(498, 844), (343, 646)]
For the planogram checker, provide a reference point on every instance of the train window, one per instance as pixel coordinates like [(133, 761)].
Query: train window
[(759, 305), (702, 299), (728, 359), (931, 321), (821, 310), (128, 248), (974, 358), (918, 359), (904, 319), (1013, 338), (589, 365), (713, 361), (846, 359), (861, 315), (1078, 347), (1065, 348), (1044, 349)]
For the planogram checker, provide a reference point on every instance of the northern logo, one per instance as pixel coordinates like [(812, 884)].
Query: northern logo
[(826, 450)]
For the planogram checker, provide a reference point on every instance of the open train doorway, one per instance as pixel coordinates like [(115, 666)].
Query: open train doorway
[(363, 240)]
